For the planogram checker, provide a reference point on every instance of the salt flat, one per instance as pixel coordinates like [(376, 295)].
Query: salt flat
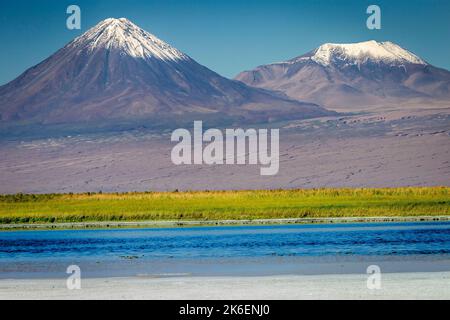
[(430, 285), (378, 149)]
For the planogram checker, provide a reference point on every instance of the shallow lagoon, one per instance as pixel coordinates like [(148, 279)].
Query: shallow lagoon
[(228, 251)]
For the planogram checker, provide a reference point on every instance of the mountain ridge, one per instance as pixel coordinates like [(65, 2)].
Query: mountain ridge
[(386, 52)]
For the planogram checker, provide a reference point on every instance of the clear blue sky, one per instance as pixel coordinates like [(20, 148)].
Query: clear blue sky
[(227, 36)]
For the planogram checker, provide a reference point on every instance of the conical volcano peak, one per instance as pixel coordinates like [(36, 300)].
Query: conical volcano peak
[(118, 73), (361, 52), (123, 35)]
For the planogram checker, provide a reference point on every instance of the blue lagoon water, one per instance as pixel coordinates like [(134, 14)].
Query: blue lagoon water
[(246, 250)]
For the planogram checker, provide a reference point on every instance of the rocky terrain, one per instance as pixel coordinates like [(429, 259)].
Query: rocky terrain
[(384, 149)]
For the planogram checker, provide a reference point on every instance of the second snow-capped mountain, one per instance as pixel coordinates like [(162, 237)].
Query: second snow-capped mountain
[(353, 76)]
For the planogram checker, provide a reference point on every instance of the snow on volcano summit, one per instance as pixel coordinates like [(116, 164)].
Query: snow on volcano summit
[(121, 34), (386, 52)]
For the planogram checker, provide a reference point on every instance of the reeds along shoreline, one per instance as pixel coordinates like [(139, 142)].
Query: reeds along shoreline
[(205, 223), (224, 205)]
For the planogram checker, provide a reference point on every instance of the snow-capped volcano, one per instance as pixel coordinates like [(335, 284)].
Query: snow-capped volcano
[(354, 75), (362, 52), (118, 72), (123, 35)]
